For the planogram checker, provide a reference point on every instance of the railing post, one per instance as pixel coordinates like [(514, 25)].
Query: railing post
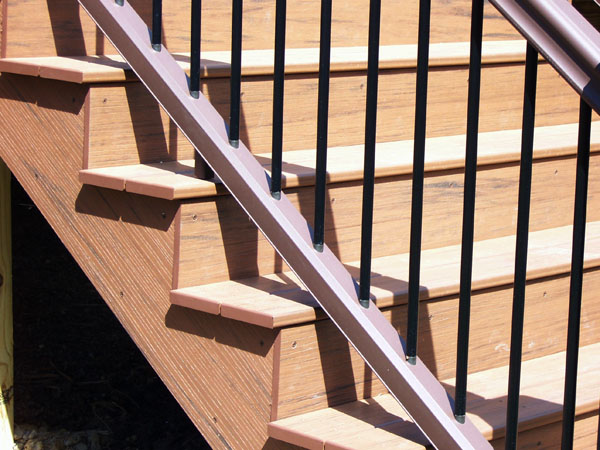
[(6, 325)]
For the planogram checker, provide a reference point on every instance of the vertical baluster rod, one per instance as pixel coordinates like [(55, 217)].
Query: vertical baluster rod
[(278, 92), (466, 266), (516, 340), (156, 25), (236, 73), (195, 49), (581, 188), (416, 216), (366, 238), (322, 125), (201, 169)]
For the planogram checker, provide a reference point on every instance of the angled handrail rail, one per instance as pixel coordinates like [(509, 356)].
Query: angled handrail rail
[(375, 339), (564, 37)]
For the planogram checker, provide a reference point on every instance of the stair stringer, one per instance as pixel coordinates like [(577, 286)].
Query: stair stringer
[(374, 338), (219, 370)]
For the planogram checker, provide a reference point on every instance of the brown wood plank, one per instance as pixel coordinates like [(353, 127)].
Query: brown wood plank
[(128, 127), (173, 179), (220, 372), (380, 422), (233, 248), (6, 316), (113, 68), (318, 368), (279, 300), (36, 28), (548, 436)]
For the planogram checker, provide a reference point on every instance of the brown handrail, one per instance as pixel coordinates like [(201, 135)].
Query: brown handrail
[(564, 37)]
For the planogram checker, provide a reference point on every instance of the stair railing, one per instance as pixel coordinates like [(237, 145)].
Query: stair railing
[(552, 27), (374, 338), (572, 46)]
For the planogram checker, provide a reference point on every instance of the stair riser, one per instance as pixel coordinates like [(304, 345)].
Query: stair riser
[(33, 29), (548, 436), (318, 369), (232, 248), (126, 126)]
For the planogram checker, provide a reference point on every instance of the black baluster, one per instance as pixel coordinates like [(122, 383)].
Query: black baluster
[(156, 24), (416, 217), (195, 49), (322, 125), (366, 239), (236, 73), (581, 188), (278, 84), (516, 339), (466, 266)]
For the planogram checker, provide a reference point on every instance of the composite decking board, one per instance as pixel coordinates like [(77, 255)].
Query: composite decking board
[(318, 369), (36, 27), (127, 126), (380, 422), (112, 68), (175, 179), (233, 248), (278, 300)]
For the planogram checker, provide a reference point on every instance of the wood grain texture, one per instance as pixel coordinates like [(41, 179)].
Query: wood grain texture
[(61, 27), (381, 423), (549, 436), (176, 179), (124, 243), (125, 120), (6, 316), (319, 369), (279, 300), (232, 247), (112, 68)]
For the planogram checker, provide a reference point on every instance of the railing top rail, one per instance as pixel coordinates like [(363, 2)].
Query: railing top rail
[(565, 38)]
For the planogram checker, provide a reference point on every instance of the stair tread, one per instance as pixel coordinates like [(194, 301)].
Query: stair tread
[(278, 300), (175, 179), (380, 422), (112, 68)]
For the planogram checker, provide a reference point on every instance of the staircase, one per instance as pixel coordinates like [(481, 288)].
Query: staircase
[(246, 350)]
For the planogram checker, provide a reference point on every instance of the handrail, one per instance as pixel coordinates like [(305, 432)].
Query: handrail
[(374, 338), (564, 37)]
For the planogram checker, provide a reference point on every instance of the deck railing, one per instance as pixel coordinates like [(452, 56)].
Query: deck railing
[(552, 27)]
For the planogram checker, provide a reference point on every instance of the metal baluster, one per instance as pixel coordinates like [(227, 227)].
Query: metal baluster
[(195, 49), (236, 73), (466, 266), (322, 124), (581, 188), (366, 239), (201, 169), (416, 216), (156, 24), (516, 340), (278, 84)]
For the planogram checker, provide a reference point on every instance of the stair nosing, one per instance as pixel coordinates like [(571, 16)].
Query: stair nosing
[(585, 403), (302, 308), (174, 180), (215, 64)]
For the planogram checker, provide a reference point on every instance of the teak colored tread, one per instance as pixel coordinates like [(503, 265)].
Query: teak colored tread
[(175, 179), (278, 300), (381, 423), (62, 27), (112, 68)]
